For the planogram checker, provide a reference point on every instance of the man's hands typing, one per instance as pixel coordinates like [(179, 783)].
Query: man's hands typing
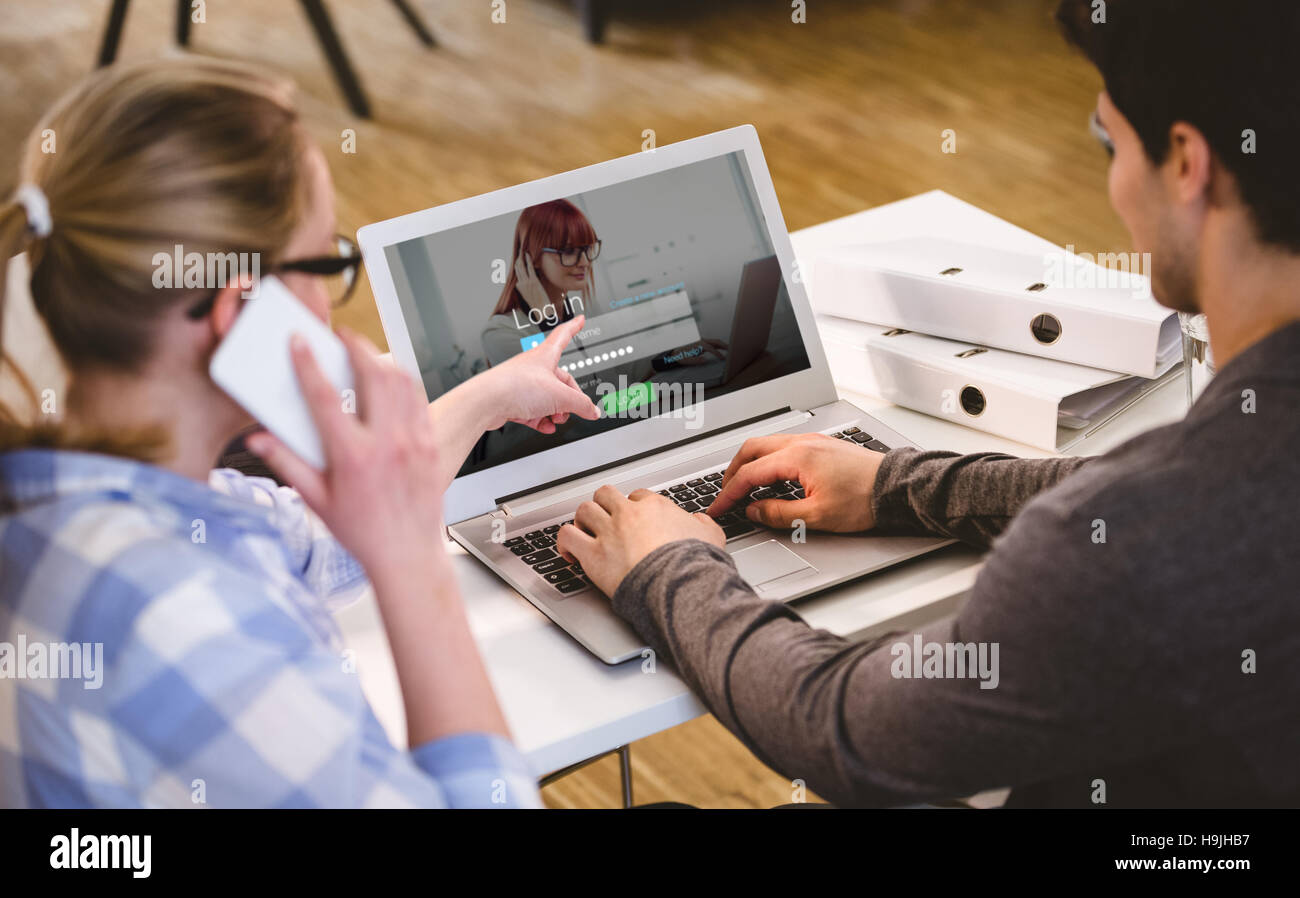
[(837, 478), (612, 532)]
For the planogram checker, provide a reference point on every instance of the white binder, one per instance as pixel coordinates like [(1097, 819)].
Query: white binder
[(1041, 402), (1052, 304)]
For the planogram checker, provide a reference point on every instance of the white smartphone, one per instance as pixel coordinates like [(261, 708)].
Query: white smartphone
[(252, 365)]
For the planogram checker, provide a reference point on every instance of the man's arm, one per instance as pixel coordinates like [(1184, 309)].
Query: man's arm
[(849, 489), (1074, 683), (971, 498)]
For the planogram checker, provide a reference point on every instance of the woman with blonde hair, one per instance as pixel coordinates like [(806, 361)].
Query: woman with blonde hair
[(200, 599)]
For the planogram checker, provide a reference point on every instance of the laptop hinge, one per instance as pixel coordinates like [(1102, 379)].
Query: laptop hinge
[(646, 463)]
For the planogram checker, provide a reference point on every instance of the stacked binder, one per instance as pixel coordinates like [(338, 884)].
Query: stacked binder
[(1012, 336)]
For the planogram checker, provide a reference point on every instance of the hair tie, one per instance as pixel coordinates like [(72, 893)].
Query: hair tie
[(37, 207)]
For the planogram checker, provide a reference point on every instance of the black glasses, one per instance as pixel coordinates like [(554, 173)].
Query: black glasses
[(339, 272), (1098, 130), (570, 254)]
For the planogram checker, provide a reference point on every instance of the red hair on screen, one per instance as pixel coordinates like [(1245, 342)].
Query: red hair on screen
[(556, 225)]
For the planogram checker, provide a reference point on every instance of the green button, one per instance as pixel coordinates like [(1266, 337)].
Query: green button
[(618, 402)]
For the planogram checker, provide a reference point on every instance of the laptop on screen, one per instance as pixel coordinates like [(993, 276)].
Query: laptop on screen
[(697, 337)]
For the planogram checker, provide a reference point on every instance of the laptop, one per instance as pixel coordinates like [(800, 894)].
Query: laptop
[(689, 249)]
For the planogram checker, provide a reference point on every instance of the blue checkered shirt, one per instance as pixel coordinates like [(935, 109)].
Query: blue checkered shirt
[(223, 679)]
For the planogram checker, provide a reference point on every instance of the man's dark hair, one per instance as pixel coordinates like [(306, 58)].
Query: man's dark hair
[(1223, 66)]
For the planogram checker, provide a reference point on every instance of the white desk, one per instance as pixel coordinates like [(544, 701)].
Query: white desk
[(564, 706)]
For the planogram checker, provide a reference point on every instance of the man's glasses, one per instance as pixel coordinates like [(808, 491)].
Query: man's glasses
[(571, 254), (338, 271), (1098, 130)]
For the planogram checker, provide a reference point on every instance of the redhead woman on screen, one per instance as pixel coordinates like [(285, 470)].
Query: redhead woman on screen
[(550, 279)]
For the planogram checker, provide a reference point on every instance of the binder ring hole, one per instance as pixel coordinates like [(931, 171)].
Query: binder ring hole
[(1045, 328), (972, 401)]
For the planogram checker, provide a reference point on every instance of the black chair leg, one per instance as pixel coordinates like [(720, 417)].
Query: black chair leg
[(593, 14), (112, 32), (183, 22), (416, 23), (338, 59)]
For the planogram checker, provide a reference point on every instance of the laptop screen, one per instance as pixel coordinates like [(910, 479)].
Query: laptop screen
[(675, 272)]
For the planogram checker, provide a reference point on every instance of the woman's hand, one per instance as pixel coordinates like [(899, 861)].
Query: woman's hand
[(381, 491), (529, 284), (530, 388), (381, 496)]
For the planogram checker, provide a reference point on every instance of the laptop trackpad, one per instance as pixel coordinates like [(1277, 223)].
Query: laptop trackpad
[(767, 561)]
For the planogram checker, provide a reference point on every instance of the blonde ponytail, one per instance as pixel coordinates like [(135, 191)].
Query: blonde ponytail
[(202, 154), (15, 233)]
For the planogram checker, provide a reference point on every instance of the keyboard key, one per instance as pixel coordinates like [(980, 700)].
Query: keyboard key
[(665, 493), (554, 528), (861, 438), (740, 528), (555, 564), (685, 494), (514, 541), (698, 481), (572, 585), (877, 446), (544, 542), (707, 488), (563, 573), (677, 488), (690, 506), (533, 534), (850, 431), (764, 494), (522, 549), (539, 556), (715, 476)]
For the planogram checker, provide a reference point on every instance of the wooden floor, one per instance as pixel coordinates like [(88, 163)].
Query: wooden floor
[(851, 108)]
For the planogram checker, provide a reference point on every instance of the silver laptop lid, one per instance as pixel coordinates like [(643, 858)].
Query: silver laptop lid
[(671, 231)]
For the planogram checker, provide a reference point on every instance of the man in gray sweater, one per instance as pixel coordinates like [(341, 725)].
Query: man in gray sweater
[(1144, 605)]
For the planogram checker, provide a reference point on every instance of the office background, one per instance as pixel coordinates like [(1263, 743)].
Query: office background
[(851, 107)]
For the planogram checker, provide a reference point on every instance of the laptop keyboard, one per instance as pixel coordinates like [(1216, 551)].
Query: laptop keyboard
[(536, 548)]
